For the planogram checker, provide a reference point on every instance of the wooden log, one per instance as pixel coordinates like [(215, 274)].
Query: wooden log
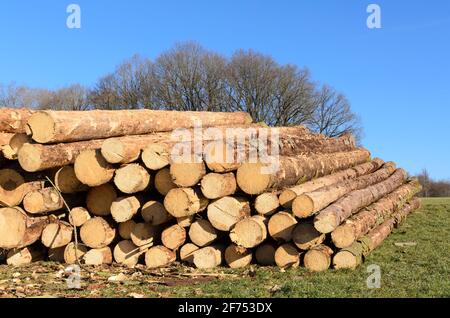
[(182, 202), (67, 182), (5, 138), (24, 256), (287, 256), (332, 216), (97, 233), (92, 169), (156, 156), (125, 208), (202, 233), (155, 213), (159, 256), (310, 203), (57, 234), (249, 232), (78, 216), (305, 236), (185, 221), (99, 199), (74, 252), (127, 253), (56, 254), (238, 256), (132, 178), (287, 196), (265, 254), (163, 181), (13, 187), (267, 203), (257, 178), (37, 157), (187, 252), (18, 230), (224, 213), (98, 256), (352, 256), (43, 201), (318, 259), (14, 120), (173, 237), (218, 185), (144, 235), (208, 257), (187, 174), (281, 225), (11, 149), (64, 126), (126, 228), (362, 222)]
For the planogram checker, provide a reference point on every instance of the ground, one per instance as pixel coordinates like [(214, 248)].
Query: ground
[(419, 268)]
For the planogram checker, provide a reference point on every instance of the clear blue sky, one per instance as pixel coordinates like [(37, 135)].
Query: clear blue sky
[(396, 77)]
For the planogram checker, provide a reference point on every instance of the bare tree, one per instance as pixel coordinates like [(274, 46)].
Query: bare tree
[(12, 95), (425, 181), (74, 97)]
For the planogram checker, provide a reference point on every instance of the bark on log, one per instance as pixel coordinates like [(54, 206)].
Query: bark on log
[(78, 216), (159, 256), (132, 178), (332, 216), (267, 203), (43, 201), (287, 256), (99, 199), (92, 169), (257, 178), (98, 256), (318, 259), (362, 222), (25, 256), (310, 203), (97, 233), (224, 213), (281, 226), (209, 257), (215, 185), (238, 256), (57, 234), (249, 232), (287, 196), (163, 181), (265, 254), (187, 252), (127, 253), (125, 229), (351, 257), (64, 126), (305, 236), (181, 202), (67, 182), (14, 120), (13, 187), (202, 233), (155, 213), (173, 237), (74, 252), (18, 230)]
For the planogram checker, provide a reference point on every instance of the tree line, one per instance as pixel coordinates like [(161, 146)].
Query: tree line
[(433, 188), (189, 77)]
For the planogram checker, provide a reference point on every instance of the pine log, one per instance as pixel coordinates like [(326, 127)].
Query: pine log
[(126, 228), (267, 203), (352, 256), (305, 236), (43, 201), (144, 235), (13, 187), (37, 157), (257, 178), (310, 203), (202, 233), (156, 156), (25, 256), (78, 216), (127, 253), (287, 256), (67, 182), (287, 196), (265, 254), (132, 178), (5, 138), (281, 225), (14, 120), (99, 199), (64, 126), (98, 256), (362, 222), (180, 202), (215, 185), (74, 252), (187, 174), (97, 233), (318, 259), (18, 230), (224, 213), (159, 256), (155, 213), (186, 221), (209, 257), (187, 252), (163, 181), (173, 237), (125, 208), (332, 216), (11, 149), (57, 234), (249, 232), (92, 169), (238, 256)]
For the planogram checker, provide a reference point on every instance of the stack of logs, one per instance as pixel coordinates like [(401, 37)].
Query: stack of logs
[(97, 187)]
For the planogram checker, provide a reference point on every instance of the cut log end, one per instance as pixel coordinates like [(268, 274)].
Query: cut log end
[(41, 127), (215, 185), (125, 229), (318, 259), (249, 232), (343, 236), (326, 223), (238, 257), (97, 233), (156, 156), (132, 178), (303, 206), (99, 199), (173, 237), (345, 260), (187, 252), (74, 253), (202, 233), (267, 203), (182, 202), (67, 182), (155, 213), (287, 256), (159, 256), (92, 169), (126, 253), (227, 211), (265, 254), (187, 174), (57, 235), (78, 216), (208, 257), (144, 235), (163, 181), (305, 236), (281, 226), (124, 208), (11, 187), (252, 179), (98, 256), (286, 198)]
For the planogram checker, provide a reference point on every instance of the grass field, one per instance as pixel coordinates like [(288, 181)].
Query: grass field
[(421, 269)]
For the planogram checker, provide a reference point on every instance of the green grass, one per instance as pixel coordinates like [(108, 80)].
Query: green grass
[(422, 270)]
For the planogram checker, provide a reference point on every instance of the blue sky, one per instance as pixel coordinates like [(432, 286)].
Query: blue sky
[(396, 77)]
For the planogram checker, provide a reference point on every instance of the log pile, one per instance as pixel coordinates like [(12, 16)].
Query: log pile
[(98, 187)]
